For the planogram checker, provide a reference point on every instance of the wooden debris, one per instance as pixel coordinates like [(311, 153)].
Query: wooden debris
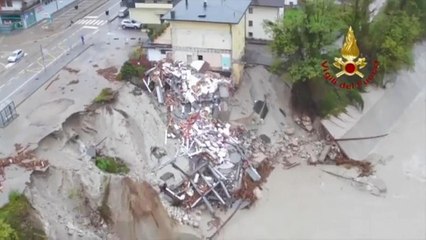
[(109, 73), (54, 80), (23, 158), (73, 82), (71, 70)]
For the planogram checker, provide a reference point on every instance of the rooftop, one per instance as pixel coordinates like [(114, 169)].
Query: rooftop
[(268, 3), (216, 11)]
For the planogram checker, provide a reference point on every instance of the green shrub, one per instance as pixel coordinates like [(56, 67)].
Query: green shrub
[(111, 165), (355, 98), (128, 71), (332, 104), (7, 232), (106, 95), (15, 221)]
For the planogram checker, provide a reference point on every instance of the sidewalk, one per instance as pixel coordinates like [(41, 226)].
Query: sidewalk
[(381, 116), (61, 21)]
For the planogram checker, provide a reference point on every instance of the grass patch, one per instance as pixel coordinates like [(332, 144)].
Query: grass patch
[(15, 220), (111, 165), (104, 210), (106, 95)]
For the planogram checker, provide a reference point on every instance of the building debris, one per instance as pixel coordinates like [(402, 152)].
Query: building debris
[(304, 122), (223, 168), (24, 158)]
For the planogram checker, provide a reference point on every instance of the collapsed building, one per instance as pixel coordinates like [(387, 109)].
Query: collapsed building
[(197, 115)]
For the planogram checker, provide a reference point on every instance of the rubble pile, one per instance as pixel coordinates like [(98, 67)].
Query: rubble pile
[(221, 170), (24, 158)]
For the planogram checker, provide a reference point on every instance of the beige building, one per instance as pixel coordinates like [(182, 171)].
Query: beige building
[(150, 11), (212, 31), (259, 12)]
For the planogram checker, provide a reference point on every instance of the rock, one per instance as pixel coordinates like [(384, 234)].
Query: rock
[(312, 159), (258, 158), (257, 192), (324, 153), (297, 120), (294, 142), (265, 138), (158, 152), (332, 155), (289, 131), (196, 224)]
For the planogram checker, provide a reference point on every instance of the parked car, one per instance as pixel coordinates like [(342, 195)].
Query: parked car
[(16, 55), (129, 23), (123, 12)]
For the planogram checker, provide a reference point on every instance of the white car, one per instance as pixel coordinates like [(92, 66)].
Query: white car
[(128, 23), (16, 55)]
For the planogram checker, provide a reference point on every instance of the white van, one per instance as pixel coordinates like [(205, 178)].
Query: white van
[(123, 12)]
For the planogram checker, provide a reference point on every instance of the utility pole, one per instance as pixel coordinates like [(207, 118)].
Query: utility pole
[(57, 7), (42, 57)]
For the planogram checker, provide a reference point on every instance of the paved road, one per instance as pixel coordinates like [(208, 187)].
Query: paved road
[(51, 52)]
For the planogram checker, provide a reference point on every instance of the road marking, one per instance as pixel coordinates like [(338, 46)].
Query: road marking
[(90, 27), (91, 22), (91, 17), (62, 48), (9, 65), (31, 78)]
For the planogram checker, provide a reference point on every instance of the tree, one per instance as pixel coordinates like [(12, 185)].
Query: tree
[(301, 41), (7, 232), (393, 34)]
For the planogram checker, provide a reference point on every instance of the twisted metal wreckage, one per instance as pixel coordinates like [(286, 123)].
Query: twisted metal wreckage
[(197, 115)]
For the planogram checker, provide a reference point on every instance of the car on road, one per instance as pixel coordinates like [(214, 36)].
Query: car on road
[(16, 55), (129, 23)]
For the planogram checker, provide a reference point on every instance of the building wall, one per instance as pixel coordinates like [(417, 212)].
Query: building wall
[(257, 17), (16, 5), (214, 59), (201, 35), (238, 39), (149, 13), (43, 11), (156, 54)]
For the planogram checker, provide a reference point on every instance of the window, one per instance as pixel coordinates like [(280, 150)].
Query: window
[(9, 3), (250, 10), (200, 57), (250, 23), (162, 51), (250, 34)]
